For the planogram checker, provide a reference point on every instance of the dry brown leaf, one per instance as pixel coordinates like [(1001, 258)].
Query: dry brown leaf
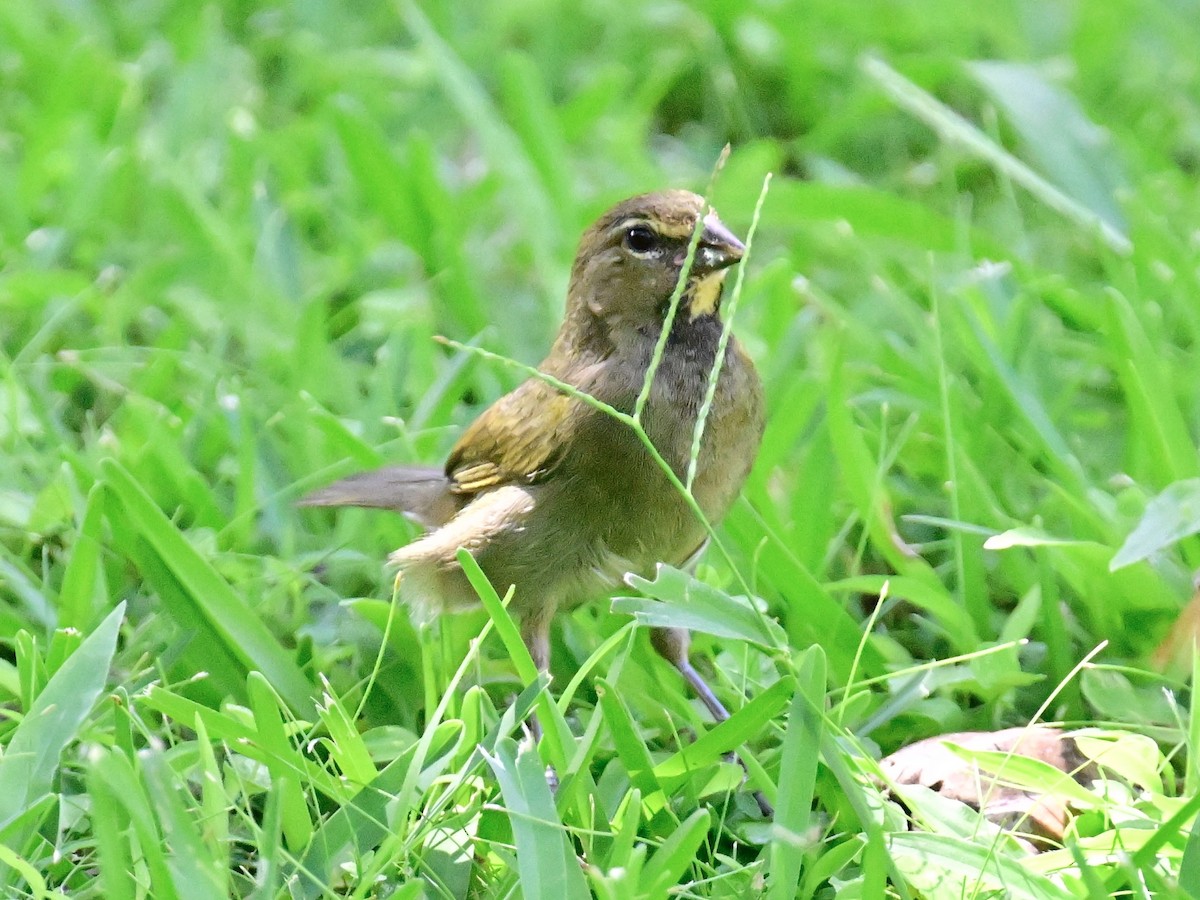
[(932, 764)]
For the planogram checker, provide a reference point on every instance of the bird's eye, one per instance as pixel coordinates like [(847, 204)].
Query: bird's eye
[(641, 240)]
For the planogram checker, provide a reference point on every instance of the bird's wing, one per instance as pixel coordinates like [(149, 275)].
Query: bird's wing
[(516, 440)]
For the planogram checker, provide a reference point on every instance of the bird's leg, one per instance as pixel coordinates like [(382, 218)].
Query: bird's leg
[(535, 632), (672, 645)]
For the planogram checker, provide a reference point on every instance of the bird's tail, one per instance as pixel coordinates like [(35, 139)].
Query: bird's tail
[(422, 494)]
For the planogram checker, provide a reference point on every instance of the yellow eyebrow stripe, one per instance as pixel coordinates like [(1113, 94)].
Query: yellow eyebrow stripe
[(677, 230)]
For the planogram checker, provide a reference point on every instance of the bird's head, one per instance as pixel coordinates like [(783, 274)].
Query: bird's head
[(629, 262)]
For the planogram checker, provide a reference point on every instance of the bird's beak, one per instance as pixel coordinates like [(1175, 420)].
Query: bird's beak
[(718, 248)]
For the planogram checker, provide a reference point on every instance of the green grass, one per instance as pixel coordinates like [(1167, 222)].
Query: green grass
[(228, 237)]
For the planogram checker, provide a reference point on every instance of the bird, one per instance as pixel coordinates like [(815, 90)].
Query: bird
[(559, 499)]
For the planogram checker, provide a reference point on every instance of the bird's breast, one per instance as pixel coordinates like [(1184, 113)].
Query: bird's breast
[(643, 516)]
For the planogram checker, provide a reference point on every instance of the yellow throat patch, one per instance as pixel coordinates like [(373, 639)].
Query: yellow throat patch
[(704, 294)]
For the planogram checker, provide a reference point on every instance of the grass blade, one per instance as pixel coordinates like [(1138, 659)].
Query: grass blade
[(670, 861), (953, 128), (224, 613), (31, 758), (545, 859), (797, 775)]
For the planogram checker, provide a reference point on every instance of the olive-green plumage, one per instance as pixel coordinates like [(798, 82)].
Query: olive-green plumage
[(559, 499)]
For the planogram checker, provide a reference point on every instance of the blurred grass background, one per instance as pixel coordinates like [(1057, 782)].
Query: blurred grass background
[(228, 235)]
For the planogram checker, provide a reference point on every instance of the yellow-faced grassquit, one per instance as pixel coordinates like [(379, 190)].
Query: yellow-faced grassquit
[(560, 499)]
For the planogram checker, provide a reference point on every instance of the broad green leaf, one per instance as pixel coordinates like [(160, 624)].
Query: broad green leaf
[(1131, 756), (530, 109), (942, 868), (1016, 770), (1118, 699), (938, 814), (1169, 518), (681, 601)]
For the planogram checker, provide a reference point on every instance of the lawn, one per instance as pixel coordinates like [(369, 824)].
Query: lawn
[(230, 236)]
